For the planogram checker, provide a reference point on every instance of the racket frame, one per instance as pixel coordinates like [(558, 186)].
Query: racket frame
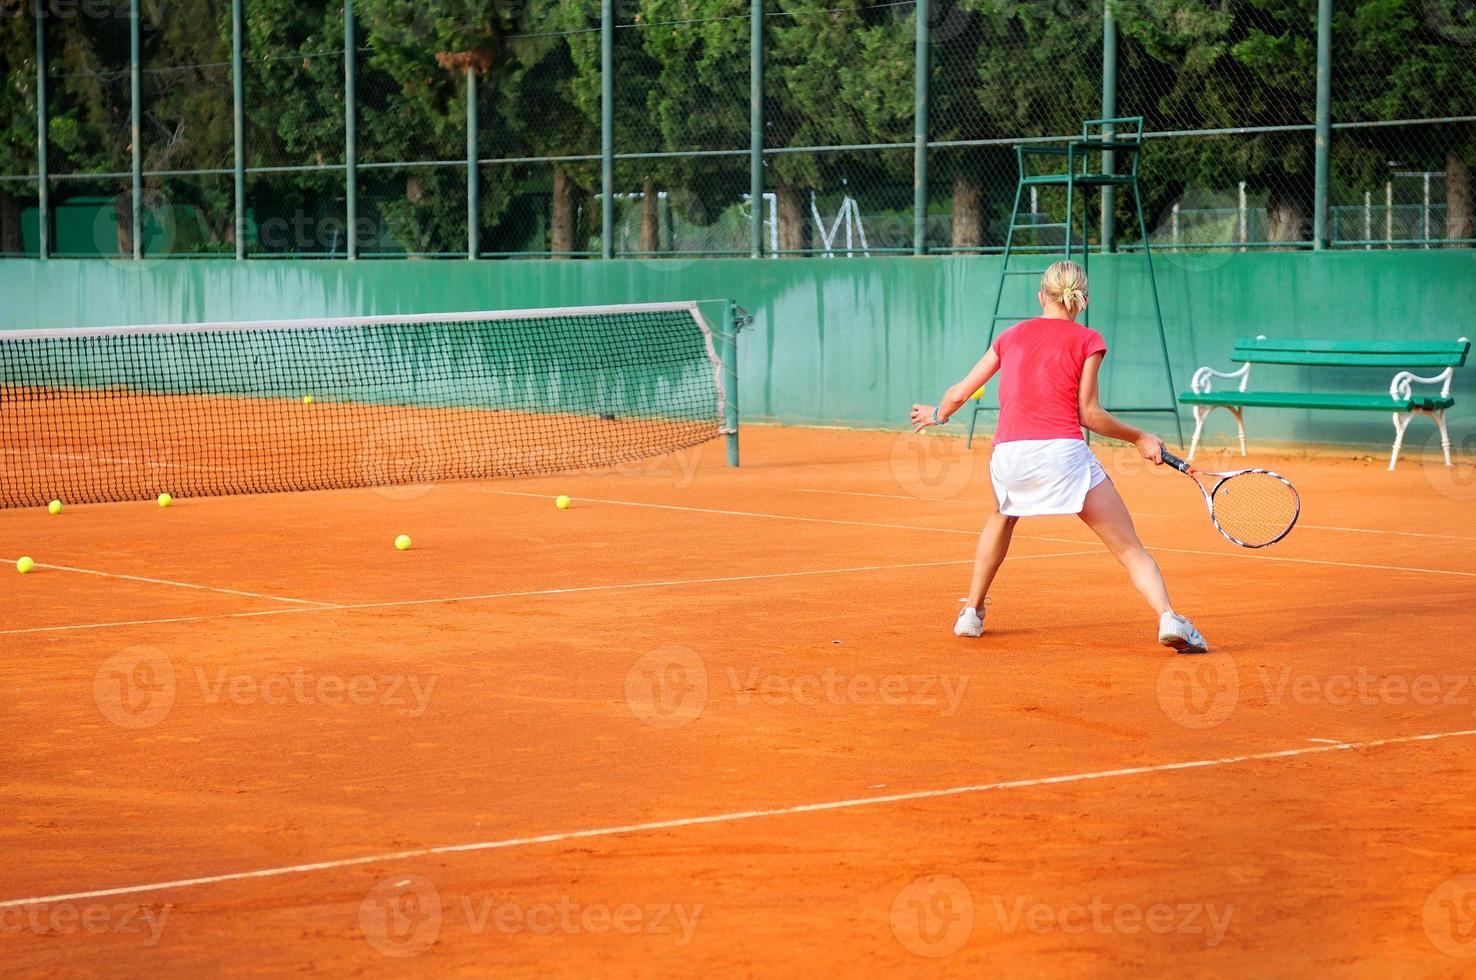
[(1222, 477)]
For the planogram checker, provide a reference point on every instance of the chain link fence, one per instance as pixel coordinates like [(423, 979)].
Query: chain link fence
[(483, 128)]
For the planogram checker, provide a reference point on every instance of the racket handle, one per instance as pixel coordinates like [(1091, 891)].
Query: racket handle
[(1176, 462)]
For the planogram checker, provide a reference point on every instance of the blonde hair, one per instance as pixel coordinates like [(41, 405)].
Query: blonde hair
[(1065, 282)]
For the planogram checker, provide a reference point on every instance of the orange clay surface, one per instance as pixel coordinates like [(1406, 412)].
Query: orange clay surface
[(696, 725)]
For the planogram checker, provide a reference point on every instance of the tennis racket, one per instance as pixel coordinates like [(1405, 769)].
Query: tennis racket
[(1251, 508)]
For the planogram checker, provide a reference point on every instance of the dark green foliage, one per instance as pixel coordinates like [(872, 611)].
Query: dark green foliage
[(839, 72)]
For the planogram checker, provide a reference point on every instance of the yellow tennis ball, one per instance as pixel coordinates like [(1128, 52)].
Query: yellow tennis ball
[(403, 542), (978, 394), (165, 500), (307, 399), (25, 564), (54, 507), (563, 503)]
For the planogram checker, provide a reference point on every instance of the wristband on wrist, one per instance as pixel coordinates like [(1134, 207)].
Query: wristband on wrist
[(936, 419)]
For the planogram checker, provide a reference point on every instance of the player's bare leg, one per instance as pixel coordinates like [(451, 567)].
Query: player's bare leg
[(1107, 516), (994, 544)]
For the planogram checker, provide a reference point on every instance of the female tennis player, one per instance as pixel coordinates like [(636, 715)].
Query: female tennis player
[(1041, 463)]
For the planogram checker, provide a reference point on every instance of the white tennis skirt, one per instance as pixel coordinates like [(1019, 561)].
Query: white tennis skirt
[(1033, 477)]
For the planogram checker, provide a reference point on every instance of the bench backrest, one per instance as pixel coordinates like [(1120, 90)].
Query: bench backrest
[(1352, 353)]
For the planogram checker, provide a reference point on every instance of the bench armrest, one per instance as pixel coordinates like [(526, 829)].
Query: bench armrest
[(1200, 383), (1400, 390)]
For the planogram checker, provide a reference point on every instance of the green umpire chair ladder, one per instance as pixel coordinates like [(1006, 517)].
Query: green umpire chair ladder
[(1106, 156)]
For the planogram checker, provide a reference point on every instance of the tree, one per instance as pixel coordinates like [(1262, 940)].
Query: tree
[(837, 75), (295, 117), (1035, 73), (185, 124), (1402, 59), (1241, 63), (535, 111), (682, 72), (17, 117)]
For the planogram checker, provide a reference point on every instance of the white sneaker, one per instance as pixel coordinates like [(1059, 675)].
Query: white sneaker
[(1178, 633), (969, 623)]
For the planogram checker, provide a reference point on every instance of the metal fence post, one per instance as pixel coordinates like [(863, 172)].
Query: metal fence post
[(1109, 110), (136, 131), (1324, 123), (43, 199), (350, 129), (756, 129), (920, 134), (238, 110), (473, 181), (607, 128)]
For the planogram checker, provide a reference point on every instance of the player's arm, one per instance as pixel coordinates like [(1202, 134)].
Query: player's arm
[(1097, 419), (953, 399)]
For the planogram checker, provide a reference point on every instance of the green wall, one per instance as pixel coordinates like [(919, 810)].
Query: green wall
[(853, 341)]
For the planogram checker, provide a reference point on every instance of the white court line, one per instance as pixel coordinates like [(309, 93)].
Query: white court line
[(572, 590), (777, 517), (716, 818), (1230, 553), (1242, 553), (177, 585), (1141, 513), (1369, 530)]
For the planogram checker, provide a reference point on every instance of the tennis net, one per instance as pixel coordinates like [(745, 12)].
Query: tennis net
[(127, 413)]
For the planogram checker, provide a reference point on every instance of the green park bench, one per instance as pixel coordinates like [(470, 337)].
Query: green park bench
[(1401, 401)]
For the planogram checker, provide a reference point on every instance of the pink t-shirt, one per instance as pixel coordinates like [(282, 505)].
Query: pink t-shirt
[(1040, 378)]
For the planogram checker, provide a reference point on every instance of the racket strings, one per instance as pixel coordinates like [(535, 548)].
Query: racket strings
[(1255, 509)]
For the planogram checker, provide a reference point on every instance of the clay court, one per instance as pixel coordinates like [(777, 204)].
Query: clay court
[(713, 719)]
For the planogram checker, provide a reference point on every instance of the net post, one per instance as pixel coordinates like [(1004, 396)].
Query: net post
[(729, 358)]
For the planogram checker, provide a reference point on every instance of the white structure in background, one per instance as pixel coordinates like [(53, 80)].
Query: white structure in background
[(1243, 217), (849, 218)]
